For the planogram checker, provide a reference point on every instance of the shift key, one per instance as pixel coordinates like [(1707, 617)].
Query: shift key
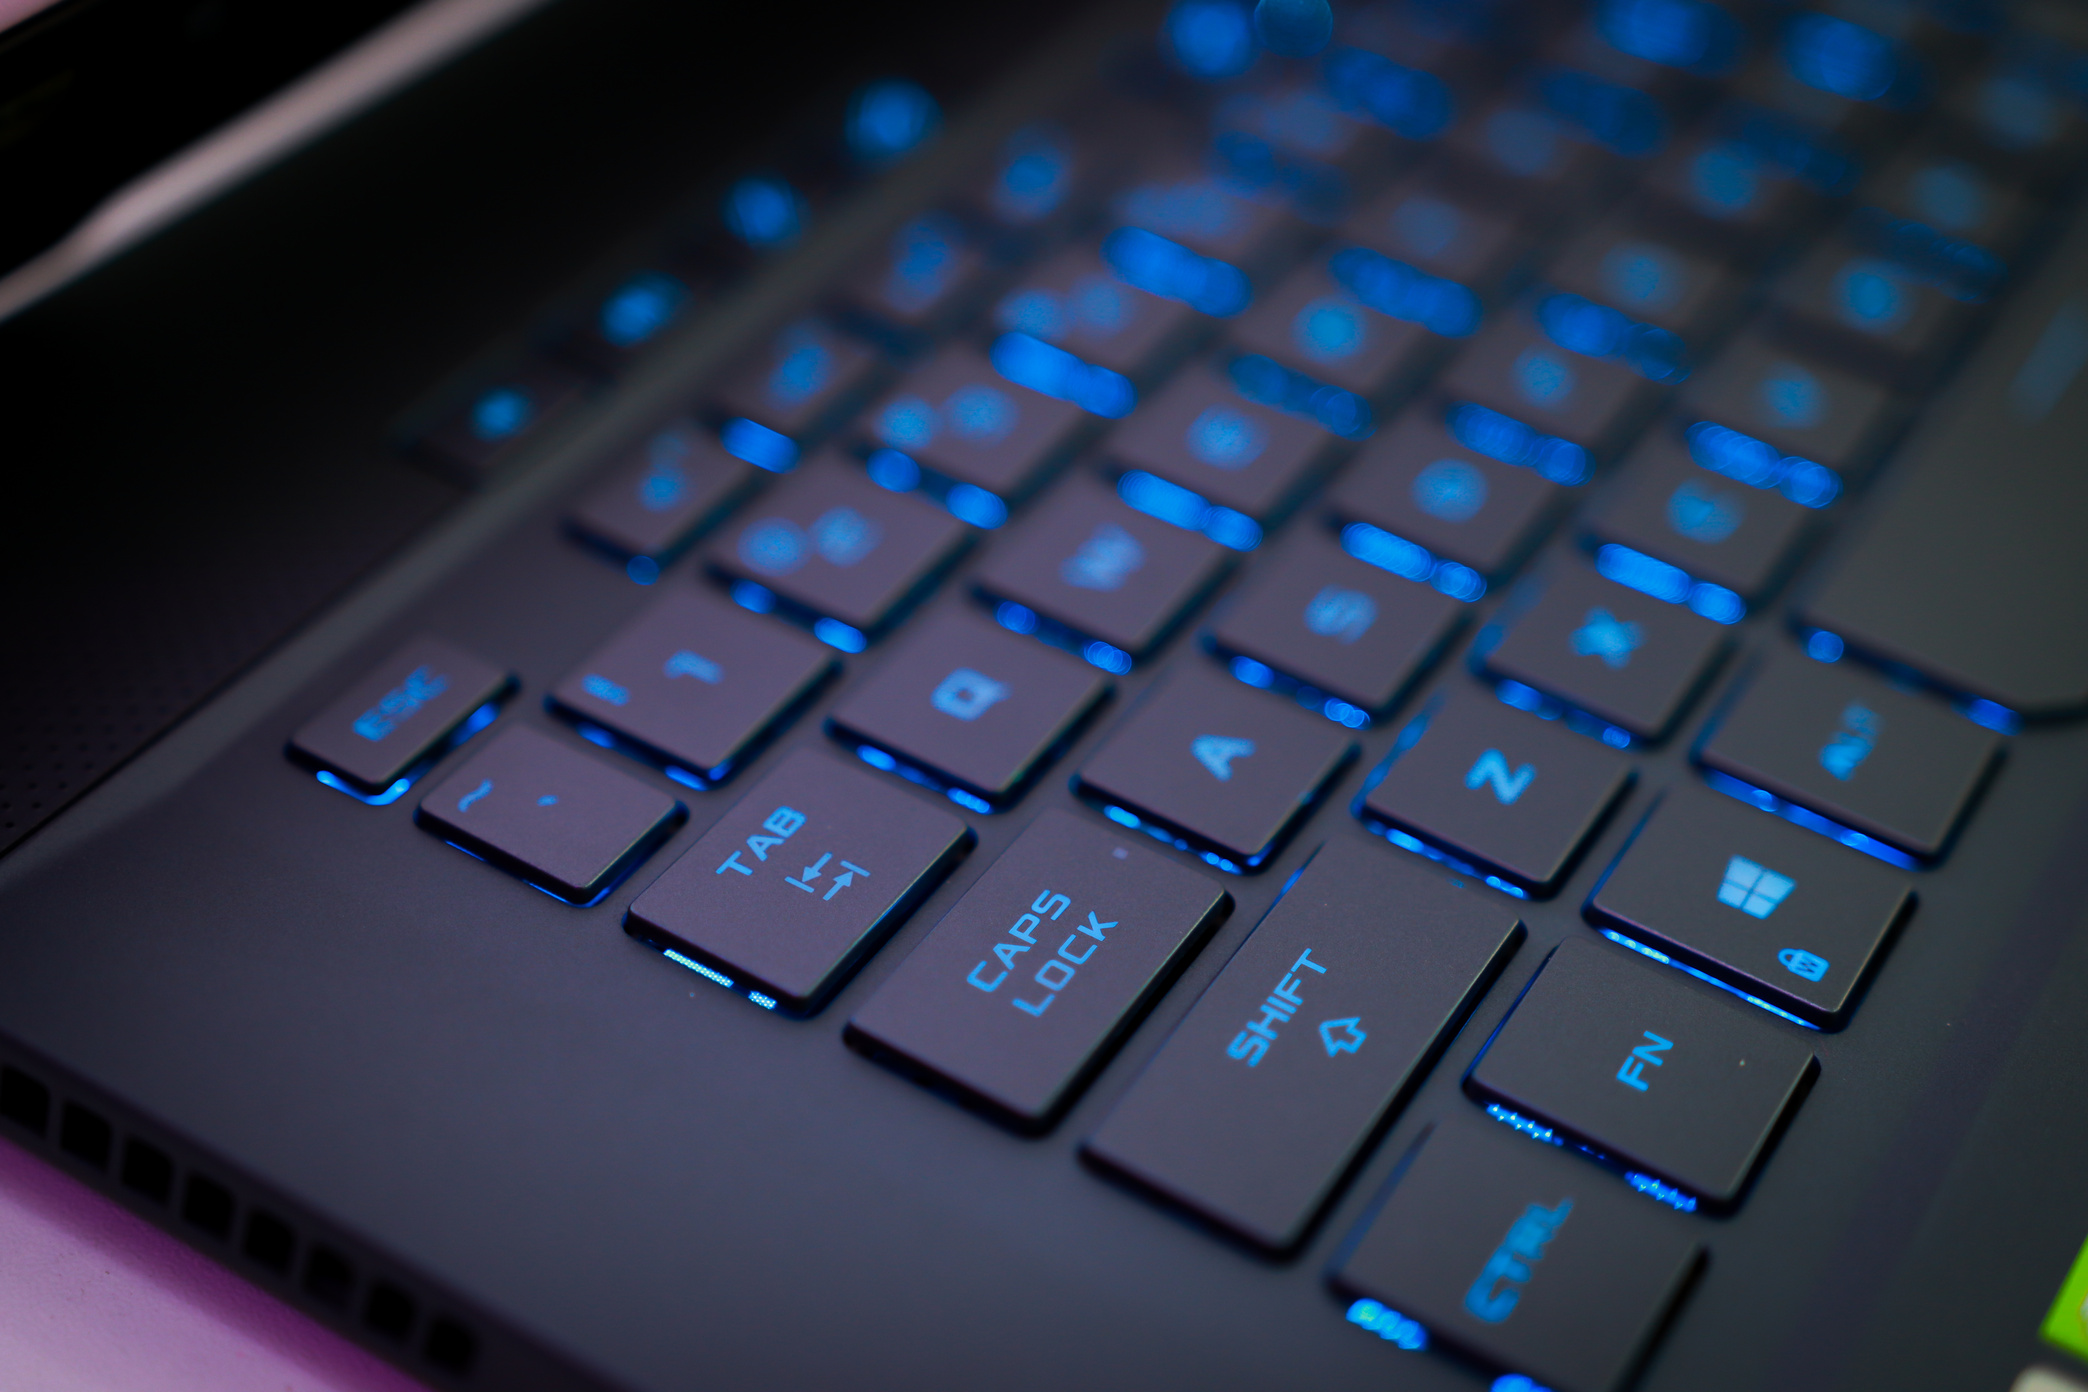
[(1334, 1009), (1028, 984)]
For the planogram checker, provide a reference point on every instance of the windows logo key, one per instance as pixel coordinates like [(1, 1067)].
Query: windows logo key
[(1754, 889)]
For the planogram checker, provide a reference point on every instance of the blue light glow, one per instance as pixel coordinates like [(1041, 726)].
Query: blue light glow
[(758, 445), (1598, 331), (836, 634), (1263, 379), (1376, 546), (765, 1002), (1387, 1324), (1035, 177), (643, 570), (1708, 980), (1624, 119), (890, 469), (1210, 39), (1716, 603), (1507, 439), (1638, 571), (1450, 489), (697, 967), (1016, 618), (1113, 660), (1416, 104), (1400, 291), (764, 211), (876, 758), (502, 413), (1515, 1382), (1293, 28), (1837, 56), (748, 595), (887, 119), (969, 802), (1031, 362), (968, 502), (384, 799), (1253, 673), (1757, 464), (1535, 1130), (641, 307), (1809, 819), (1666, 1193), (1993, 715), (1170, 502), (1687, 34), (1160, 267), (1822, 646), (1121, 817)]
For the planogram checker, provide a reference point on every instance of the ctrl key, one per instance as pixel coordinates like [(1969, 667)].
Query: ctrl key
[(1520, 1258)]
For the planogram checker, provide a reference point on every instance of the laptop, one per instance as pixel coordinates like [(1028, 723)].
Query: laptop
[(1200, 695)]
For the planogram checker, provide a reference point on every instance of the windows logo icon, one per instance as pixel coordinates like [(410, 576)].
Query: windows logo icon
[(1754, 889)]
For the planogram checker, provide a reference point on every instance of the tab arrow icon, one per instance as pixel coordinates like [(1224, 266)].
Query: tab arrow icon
[(812, 870)]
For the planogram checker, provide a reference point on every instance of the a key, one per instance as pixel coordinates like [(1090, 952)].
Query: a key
[(1784, 917), (1745, 179), (1525, 157), (1796, 80), (959, 417), (2013, 112), (1042, 176), (1653, 279), (1216, 767), (473, 442), (550, 815), (693, 685), (806, 876), (925, 275), (973, 706), (630, 317), (377, 738), (1086, 562), (1078, 302), (1615, 653), (1866, 310), (1666, 505), (664, 491), (1537, 1265), (1286, 1069), (1496, 790), (1954, 196), (830, 542), (1441, 231), (1839, 742), (1030, 982), (1649, 1071), (1322, 618), (1181, 201), (799, 381), (1313, 324), (1797, 404), (1513, 367), (1420, 482), (1201, 434)]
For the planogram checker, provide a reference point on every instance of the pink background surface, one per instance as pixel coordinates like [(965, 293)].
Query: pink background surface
[(95, 1299)]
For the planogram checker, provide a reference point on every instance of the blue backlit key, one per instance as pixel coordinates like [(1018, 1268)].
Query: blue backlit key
[(830, 546), (1422, 484), (923, 277), (1784, 917), (550, 815), (1185, 203), (1199, 433), (1628, 659), (1314, 324), (1715, 527), (1861, 309), (805, 877), (1673, 1083), (1441, 232), (693, 685), (1316, 616), (1075, 300), (1514, 367), (1838, 742), (473, 442), (1796, 404), (1262, 1099), (958, 416), (1746, 177), (791, 387), (1653, 279), (382, 733), (1031, 981), (1522, 156), (665, 490), (1216, 768), (1533, 1263), (1494, 789)]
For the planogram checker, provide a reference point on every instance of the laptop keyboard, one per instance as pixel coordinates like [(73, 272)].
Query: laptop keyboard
[(1501, 370)]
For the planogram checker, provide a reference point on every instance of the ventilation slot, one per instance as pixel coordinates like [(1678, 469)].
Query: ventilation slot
[(208, 1206), (147, 1171), (85, 1136), (24, 1101)]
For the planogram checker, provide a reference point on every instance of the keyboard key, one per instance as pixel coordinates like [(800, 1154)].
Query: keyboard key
[(830, 542), (1085, 561), (1312, 324), (1525, 157), (1650, 278), (1667, 506), (1774, 912), (1648, 1070), (382, 733), (1282, 1075), (1839, 742), (1077, 302), (693, 685), (1797, 404), (1491, 786), (1527, 1260), (1745, 180), (630, 315), (1954, 196), (472, 443), (805, 877), (661, 494), (1615, 653), (1025, 988), (1418, 481), (799, 382), (550, 815), (1043, 176), (959, 417), (971, 705), (1511, 366), (1199, 433), (1217, 767), (1867, 311), (1441, 231), (1182, 202), (2015, 113), (921, 280), (1322, 618)]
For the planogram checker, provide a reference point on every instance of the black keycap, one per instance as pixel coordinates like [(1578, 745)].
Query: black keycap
[(1182, 201), (1529, 1261), (1527, 158), (800, 380), (1511, 366), (1796, 404), (1626, 658), (1026, 987), (1666, 505), (1440, 231), (805, 877), (1500, 790), (1085, 561), (1311, 323), (959, 417), (1322, 618), (1739, 185), (693, 685), (550, 815), (1418, 481), (1953, 196), (978, 709), (1864, 310), (382, 733), (921, 279), (1650, 1071), (1776, 913), (661, 494), (1216, 768), (1841, 743), (1284, 1072), (1077, 302), (629, 316), (1653, 279), (469, 445), (1043, 176), (833, 544), (1200, 433)]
